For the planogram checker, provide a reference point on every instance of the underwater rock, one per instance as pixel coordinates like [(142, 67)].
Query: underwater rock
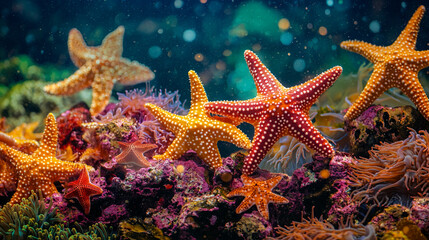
[(250, 226), (420, 213), (382, 124), (137, 229)]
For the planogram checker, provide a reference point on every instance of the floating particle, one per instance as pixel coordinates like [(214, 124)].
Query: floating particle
[(286, 38), (226, 52), (374, 26), (284, 24), (155, 51), (327, 12), (199, 57), (189, 35), (299, 65)]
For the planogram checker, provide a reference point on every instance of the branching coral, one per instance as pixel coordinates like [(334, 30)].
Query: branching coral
[(400, 169)]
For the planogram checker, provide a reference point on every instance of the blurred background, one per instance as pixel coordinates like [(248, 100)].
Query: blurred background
[(295, 39)]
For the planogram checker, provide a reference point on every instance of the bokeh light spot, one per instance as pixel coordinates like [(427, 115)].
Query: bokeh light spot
[(226, 52), (327, 12), (155, 51), (178, 3), (199, 57), (323, 31), (299, 65), (284, 24), (330, 3), (374, 26), (189, 35), (221, 65), (286, 38), (256, 47)]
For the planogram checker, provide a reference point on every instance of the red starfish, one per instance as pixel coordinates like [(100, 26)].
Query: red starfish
[(277, 111), (82, 189), (132, 153)]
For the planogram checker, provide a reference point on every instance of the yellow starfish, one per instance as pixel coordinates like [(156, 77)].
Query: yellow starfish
[(40, 169), (257, 193), (197, 130), (99, 67), (394, 66)]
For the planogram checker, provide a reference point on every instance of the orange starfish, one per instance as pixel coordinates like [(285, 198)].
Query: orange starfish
[(197, 131), (82, 189), (132, 154), (257, 193), (394, 66), (99, 67), (40, 169)]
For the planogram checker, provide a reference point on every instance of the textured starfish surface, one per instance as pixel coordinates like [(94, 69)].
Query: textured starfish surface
[(257, 193), (99, 67), (277, 111), (40, 169), (394, 66), (25, 131), (133, 154), (82, 189), (197, 131)]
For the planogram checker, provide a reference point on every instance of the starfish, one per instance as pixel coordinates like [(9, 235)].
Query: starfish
[(257, 193), (197, 131), (132, 153), (99, 67), (277, 111), (82, 189), (40, 169), (394, 66)]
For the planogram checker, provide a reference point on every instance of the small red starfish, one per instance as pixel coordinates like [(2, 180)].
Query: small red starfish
[(257, 193), (132, 153), (82, 189), (277, 111)]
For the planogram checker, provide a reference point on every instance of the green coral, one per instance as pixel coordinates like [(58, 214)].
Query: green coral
[(136, 229), (33, 219)]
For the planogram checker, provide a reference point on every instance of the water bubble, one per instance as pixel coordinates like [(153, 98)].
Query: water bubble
[(286, 38), (299, 65), (189, 35)]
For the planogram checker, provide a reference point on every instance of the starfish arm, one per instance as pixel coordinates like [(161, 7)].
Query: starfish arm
[(267, 133), (408, 36), (209, 153), (101, 91), (300, 127), (172, 122), (112, 43), (59, 169), (198, 95), (247, 180), (48, 144), (265, 81), (176, 149), (274, 198), (369, 51), (414, 90), (10, 155), (234, 135), (262, 206), (131, 72), (272, 182), (247, 203), (81, 79), (79, 52), (419, 59), (307, 93), (374, 88), (248, 111)]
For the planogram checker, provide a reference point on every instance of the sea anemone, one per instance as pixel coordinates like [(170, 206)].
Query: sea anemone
[(393, 172)]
